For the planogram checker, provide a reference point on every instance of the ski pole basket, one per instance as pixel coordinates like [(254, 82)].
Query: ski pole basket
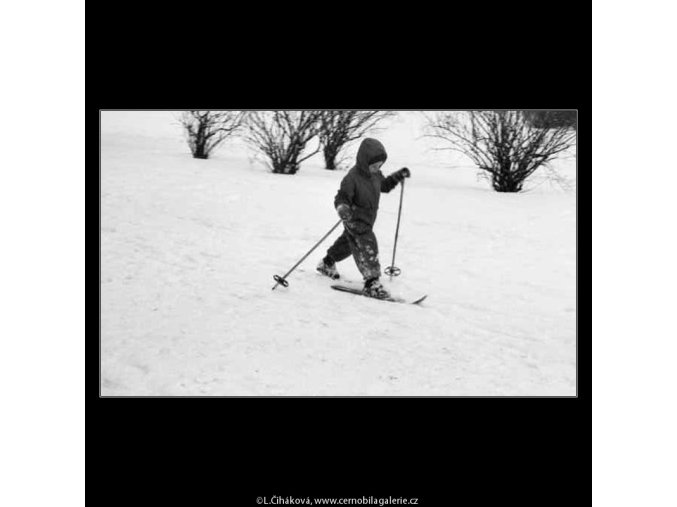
[(281, 281), (393, 271)]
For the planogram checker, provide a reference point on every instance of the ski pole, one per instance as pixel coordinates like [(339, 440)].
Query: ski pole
[(392, 270), (281, 280)]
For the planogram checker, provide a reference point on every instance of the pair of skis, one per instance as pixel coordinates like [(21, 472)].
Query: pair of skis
[(353, 290)]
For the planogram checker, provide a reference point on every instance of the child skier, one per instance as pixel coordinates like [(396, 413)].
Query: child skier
[(357, 204)]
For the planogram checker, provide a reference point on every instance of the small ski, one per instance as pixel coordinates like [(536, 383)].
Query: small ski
[(352, 290)]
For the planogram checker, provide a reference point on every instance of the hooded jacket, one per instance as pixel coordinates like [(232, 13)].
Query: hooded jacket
[(360, 189)]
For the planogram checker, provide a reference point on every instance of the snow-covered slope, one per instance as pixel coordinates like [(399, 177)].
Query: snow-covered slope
[(189, 248)]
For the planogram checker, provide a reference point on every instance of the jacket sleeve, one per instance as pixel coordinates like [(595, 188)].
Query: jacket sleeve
[(346, 193), (387, 184)]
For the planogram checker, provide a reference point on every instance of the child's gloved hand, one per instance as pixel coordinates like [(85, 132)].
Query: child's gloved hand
[(345, 212), (401, 174)]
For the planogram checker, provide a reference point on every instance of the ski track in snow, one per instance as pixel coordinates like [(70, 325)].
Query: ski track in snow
[(189, 248)]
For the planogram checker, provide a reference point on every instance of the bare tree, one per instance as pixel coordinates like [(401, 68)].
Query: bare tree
[(504, 144), (205, 130), (338, 128), (282, 137)]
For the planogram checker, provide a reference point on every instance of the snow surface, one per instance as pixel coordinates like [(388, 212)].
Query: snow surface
[(189, 248)]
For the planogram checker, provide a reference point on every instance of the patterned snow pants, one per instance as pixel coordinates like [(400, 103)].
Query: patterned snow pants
[(364, 249)]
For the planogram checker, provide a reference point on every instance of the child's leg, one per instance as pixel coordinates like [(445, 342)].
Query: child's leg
[(340, 250), (365, 252)]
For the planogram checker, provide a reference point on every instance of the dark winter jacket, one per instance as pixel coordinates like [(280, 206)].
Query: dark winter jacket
[(360, 189)]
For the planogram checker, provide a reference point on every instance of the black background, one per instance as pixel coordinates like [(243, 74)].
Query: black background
[(444, 451)]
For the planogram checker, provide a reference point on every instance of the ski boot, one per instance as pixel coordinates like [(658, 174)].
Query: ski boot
[(328, 270), (374, 289)]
